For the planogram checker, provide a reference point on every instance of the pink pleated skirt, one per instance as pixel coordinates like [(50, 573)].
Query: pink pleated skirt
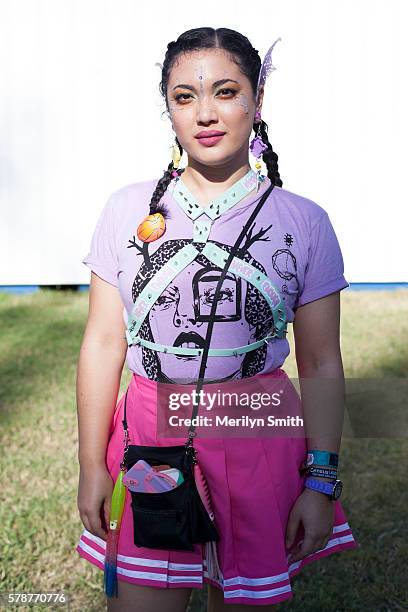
[(253, 482)]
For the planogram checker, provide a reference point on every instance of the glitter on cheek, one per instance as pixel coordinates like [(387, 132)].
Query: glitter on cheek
[(242, 100), (174, 107)]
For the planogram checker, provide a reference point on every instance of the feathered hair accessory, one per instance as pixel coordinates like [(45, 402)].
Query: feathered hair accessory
[(257, 146), (266, 68)]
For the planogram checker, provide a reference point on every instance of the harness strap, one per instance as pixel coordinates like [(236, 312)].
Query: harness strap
[(155, 288), (175, 350), (218, 206), (177, 264), (254, 276)]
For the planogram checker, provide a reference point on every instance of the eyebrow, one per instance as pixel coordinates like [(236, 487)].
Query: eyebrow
[(215, 84)]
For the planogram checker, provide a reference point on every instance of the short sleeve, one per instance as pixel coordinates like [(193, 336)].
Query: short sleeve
[(324, 271), (102, 257)]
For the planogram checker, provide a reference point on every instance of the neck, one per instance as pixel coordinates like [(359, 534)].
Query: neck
[(207, 182)]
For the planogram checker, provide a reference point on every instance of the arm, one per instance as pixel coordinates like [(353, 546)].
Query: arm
[(318, 356), (320, 368), (100, 365)]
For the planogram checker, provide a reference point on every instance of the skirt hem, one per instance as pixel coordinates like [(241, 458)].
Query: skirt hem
[(236, 590)]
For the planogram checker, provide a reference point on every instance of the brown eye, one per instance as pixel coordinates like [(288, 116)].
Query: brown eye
[(180, 96), (228, 90)]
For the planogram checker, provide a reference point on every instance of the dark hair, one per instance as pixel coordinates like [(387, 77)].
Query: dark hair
[(246, 57)]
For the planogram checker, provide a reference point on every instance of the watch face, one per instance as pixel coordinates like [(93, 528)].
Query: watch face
[(338, 487)]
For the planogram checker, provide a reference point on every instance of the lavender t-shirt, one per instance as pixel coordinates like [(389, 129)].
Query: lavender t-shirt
[(293, 242)]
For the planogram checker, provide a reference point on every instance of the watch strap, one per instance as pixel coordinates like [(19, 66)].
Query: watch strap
[(331, 489), (318, 485)]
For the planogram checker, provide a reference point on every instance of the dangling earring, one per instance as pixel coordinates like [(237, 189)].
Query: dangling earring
[(257, 148), (176, 157)]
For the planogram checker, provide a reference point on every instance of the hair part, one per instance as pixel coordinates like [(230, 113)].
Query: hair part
[(246, 57)]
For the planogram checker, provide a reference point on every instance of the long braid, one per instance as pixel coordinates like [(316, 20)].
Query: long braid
[(155, 204), (269, 156)]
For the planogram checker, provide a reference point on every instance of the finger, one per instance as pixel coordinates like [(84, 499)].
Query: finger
[(308, 546), (96, 526), (293, 551), (325, 542), (291, 529), (85, 521)]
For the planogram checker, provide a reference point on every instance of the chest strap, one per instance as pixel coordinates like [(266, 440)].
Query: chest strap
[(155, 287), (252, 275), (177, 264)]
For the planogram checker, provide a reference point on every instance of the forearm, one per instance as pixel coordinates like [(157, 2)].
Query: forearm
[(99, 372), (323, 397)]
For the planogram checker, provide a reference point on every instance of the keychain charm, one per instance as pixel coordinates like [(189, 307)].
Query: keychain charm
[(151, 228)]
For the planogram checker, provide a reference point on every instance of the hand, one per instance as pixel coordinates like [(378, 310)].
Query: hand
[(316, 512), (94, 499)]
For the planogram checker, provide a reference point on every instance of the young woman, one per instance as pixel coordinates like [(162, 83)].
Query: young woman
[(271, 519)]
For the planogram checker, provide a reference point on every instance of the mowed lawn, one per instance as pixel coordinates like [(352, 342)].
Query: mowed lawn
[(40, 526)]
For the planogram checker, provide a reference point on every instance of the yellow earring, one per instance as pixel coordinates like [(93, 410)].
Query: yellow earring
[(176, 157)]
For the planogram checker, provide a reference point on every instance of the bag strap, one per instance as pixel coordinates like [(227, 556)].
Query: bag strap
[(191, 431)]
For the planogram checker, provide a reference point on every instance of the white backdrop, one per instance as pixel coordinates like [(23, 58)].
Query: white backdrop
[(80, 116)]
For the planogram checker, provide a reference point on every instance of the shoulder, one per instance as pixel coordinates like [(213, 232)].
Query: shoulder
[(298, 208), (131, 198), (132, 190)]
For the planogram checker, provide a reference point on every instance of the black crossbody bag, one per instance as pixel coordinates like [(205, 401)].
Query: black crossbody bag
[(177, 519)]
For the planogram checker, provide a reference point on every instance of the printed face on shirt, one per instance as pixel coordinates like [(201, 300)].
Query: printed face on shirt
[(182, 313), (207, 91)]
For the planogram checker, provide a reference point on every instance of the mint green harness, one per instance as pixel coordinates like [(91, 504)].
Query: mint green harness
[(176, 264)]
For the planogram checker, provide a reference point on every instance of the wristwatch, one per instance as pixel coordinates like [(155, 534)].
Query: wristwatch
[(333, 488)]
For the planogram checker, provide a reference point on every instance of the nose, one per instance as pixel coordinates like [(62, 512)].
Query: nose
[(206, 110)]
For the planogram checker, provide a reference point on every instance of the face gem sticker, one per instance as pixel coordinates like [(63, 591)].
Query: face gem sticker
[(200, 76)]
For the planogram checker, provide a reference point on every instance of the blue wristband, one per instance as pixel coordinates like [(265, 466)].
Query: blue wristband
[(318, 457)]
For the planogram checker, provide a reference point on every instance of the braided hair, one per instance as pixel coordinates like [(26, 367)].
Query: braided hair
[(247, 58)]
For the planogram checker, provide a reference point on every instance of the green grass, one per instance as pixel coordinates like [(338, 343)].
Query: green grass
[(40, 525)]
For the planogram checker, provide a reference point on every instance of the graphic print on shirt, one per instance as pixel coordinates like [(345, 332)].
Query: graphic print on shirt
[(181, 313), (284, 263)]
